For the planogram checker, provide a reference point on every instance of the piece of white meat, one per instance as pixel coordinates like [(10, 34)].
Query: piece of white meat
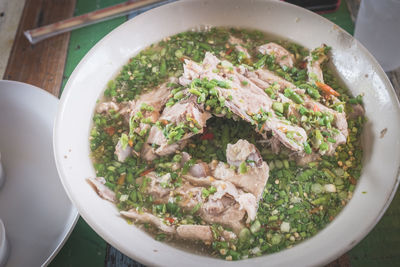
[(101, 189), (201, 232), (200, 169), (195, 232), (145, 217), (157, 186), (270, 78), (247, 201), (283, 57), (238, 44), (241, 151), (121, 152), (314, 70), (357, 110), (107, 106), (176, 114)]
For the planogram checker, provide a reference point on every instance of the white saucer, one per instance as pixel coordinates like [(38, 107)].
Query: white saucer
[(34, 207)]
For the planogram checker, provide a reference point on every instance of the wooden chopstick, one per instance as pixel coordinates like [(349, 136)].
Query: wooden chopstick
[(41, 33)]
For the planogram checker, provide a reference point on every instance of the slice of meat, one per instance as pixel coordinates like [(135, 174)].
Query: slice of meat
[(339, 138), (201, 232), (156, 136), (181, 111), (252, 99), (339, 117), (303, 160), (199, 169), (195, 232), (275, 144), (244, 100), (205, 181), (145, 217), (283, 57), (191, 196), (155, 98), (122, 153), (176, 114), (238, 44), (228, 235), (231, 218), (253, 181), (240, 99), (157, 187), (314, 64), (191, 71), (216, 207), (280, 130), (185, 157), (241, 151), (107, 106), (224, 188), (292, 108), (167, 149), (228, 194), (256, 177), (150, 105), (249, 203), (252, 76), (270, 78), (147, 152), (102, 190), (356, 111)]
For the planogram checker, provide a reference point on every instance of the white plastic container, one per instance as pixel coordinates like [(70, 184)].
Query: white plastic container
[(378, 29), (4, 247), (2, 174)]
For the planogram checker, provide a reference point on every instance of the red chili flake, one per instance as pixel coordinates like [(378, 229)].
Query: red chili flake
[(146, 172), (352, 180), (314, 210), (207, 136), (109, 130), (274, 228), (171, 220), (229, 51)]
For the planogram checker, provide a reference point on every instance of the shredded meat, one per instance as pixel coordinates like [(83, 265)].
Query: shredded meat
[(145, 217), (102, 190), (282, 56)]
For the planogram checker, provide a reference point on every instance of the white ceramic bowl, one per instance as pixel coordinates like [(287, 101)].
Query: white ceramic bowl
[(356, 67), (37, 214)]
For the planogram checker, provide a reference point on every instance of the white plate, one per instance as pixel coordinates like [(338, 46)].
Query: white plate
[(356, 67), (36, 212)]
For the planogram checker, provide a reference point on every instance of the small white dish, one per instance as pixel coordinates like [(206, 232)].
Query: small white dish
[(4, 248), (33, 205)]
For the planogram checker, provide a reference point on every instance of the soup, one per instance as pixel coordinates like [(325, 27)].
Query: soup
[(241, 143)]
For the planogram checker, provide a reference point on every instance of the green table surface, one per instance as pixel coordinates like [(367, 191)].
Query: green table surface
[(85, 248)]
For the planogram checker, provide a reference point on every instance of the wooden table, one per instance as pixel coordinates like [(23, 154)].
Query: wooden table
[(49, 64)]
